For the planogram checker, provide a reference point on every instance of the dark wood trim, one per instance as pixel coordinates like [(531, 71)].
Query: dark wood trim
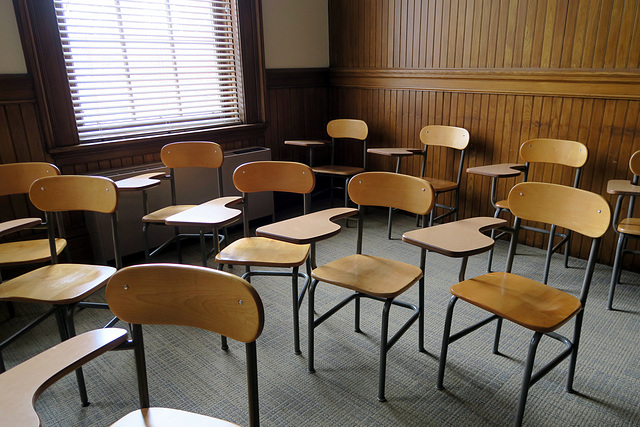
[(282, 78), (582, 84), (16, 88), (95, 152)]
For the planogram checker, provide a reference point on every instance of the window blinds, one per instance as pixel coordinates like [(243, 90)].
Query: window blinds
[(146, 67)]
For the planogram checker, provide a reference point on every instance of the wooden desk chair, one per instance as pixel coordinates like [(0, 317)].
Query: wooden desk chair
[(373, 277), (65, 285), (530, 304), (628, 227), (339, 129), (23, 384), (254, 177), (450, 137), (173, 294), (555, 152), (194, 154), (16, 179)]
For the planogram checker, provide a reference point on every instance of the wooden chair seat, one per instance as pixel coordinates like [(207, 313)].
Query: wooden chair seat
[(526, 302), (337, 170), (502, 204), (161, 215), (166, 417), (630, 226), (28, 251), (56, 284), (263, 252), (441, 185), (371, 275)]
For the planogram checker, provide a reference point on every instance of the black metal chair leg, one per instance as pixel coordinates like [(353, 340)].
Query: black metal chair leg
[(62, 318), (445, 342), (311, 325), (547, 260), (496, 340), (384, 331), (252, 384), (526, 380), (296, 320), (356, 326), (617, 266), (574, 351), (567, 246)]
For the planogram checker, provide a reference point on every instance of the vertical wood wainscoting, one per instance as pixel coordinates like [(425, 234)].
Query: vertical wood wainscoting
[(505, 70)]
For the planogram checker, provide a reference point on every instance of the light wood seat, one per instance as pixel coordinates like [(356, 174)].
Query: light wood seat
[(16, 179), (182, 155), (560, 152), (370, 276), (344, 130), (628, 228), (21, 385), (441, 185), (64, 286), (381, 277), (56, 284), (256, 177), (526, 302), (173, 294), (264, 252)]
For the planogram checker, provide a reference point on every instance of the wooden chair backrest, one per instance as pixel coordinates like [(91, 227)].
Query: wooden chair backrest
[(392, 190), (74, 193), (445, 136), (192, 154), (348, 128), (579, 210), (175, 294), (16, 178), (558, 151), (290, 177), (634, 163)]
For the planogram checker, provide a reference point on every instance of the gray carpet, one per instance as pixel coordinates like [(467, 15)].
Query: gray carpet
[(188, 370)]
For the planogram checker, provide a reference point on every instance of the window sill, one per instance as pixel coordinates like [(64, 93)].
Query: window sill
[(104, 151)]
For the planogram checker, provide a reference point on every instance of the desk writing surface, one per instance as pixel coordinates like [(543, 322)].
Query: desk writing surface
[(14, 225), (308, 228), (214, 213), (140, 182), (623, 187), (402, 152), (502, 170), (456, 239)]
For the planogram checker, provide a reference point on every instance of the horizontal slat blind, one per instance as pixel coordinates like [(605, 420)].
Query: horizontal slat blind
[(144, 67)]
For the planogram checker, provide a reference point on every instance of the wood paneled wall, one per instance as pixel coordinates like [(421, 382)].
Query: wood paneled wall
[(297, 108), (505, 70)]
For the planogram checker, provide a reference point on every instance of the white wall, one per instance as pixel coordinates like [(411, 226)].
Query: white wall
[(10, 48), (296, 33)]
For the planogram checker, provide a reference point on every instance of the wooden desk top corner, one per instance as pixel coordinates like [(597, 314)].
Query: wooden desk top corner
[(502, 170), (308, 228), (140, 182), (456, 239), (623, 187)]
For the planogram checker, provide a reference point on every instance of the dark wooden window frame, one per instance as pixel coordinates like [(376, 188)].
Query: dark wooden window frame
[(43, 53)]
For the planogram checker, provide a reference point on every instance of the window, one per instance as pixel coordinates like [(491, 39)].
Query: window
[(220, 99), (148, 67)]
